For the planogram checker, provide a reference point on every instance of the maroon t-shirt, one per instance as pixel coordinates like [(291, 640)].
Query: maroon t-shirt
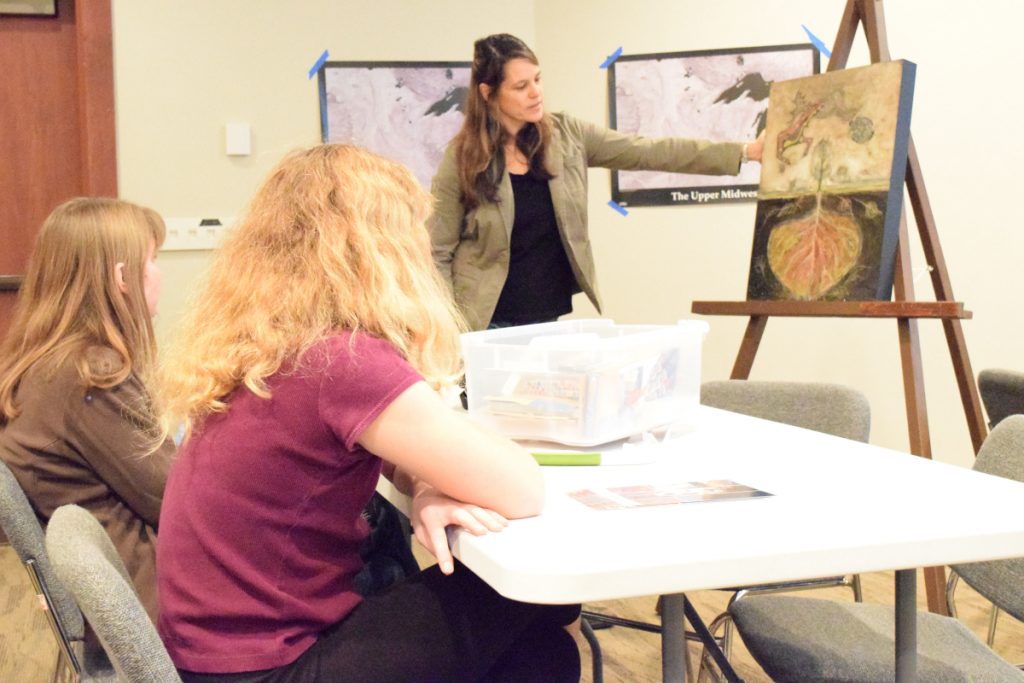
[(260, 528)]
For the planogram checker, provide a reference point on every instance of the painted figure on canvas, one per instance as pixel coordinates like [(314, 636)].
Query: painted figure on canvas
[(832, 185)]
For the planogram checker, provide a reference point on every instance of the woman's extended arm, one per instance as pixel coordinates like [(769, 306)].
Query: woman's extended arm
[(612, 149)]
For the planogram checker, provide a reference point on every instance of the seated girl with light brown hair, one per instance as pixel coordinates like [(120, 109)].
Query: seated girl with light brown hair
[(76, 421), (308, 366)]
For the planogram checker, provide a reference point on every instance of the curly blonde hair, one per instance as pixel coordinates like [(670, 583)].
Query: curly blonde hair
[(71, 302), (334, 240)]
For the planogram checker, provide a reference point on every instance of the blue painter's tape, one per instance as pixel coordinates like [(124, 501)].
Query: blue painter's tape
[(618, 207), (611, 58), (319, 63), (817, 42)]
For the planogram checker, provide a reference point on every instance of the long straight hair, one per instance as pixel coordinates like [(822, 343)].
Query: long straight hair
[(479, 144), (334, 240), (70, 301)]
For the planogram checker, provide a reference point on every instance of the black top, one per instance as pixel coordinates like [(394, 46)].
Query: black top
[(540, 282)]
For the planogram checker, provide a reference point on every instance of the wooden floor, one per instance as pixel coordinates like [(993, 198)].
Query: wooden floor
[(27, 651)]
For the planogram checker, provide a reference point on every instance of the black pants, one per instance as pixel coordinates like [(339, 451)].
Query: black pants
[(434, 628), (387, 552)]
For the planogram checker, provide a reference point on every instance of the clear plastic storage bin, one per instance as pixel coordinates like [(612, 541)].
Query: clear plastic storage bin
[(583, 382)]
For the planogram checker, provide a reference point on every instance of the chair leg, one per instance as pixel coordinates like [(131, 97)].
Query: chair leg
[(63, 672), (688, 663), (727, 630), (58, 669), (708, 670), (993, 617), (858, 591), (596, 659), (951, 583)]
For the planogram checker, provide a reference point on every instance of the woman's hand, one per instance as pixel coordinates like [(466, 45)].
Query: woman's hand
[(433, 511), (755, 149)]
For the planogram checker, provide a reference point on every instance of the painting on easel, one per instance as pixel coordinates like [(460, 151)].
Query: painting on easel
[(828, 208)]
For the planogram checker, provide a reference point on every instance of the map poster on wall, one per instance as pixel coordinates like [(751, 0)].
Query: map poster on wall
[(406, 111), (710, 94)]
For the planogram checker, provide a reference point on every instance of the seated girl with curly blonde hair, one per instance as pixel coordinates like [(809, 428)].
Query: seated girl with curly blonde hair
[(309, 365)]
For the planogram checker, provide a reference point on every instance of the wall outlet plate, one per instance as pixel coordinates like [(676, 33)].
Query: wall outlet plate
[(195, 234)]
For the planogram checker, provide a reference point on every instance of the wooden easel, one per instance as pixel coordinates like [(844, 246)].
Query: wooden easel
[(903, 308)]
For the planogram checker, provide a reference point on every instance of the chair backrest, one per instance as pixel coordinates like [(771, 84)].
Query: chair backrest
[(1000, 581), (828, 408), (1002, 392), (86, 561), (23, 530)]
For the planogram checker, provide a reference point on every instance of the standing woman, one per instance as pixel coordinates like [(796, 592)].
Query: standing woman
[(76, 421), (300, 381), (510, 229)]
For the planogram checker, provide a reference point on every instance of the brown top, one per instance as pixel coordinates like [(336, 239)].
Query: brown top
[(73, 444)]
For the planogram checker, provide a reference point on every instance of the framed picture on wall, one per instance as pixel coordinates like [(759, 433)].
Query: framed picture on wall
[(406, 111), (709, 94), (42, 8)]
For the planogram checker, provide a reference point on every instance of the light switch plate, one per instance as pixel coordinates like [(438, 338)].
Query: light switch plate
[(238, 139)]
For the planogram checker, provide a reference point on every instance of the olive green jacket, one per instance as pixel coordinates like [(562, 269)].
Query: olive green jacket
[(471, 248)]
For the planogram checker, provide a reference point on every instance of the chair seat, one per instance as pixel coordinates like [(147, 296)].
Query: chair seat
[(808, 640)]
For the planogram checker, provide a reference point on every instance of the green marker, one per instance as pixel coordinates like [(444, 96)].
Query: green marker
[(563, 458), (566, 458)]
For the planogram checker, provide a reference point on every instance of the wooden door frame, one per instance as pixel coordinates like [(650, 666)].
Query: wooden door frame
[(94, 65), (95, 36)]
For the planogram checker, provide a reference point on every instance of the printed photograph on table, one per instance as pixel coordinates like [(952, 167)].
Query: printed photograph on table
[(828, 211), (406, 111), (708, 94), (645, 495)]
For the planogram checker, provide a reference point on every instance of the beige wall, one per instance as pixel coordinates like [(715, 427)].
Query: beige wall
[(185, 68)]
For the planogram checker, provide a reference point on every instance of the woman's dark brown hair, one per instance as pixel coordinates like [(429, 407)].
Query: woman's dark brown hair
[(479, 145)]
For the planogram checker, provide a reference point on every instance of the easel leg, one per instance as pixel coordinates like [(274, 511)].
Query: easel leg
[(748, 348), (935, 590), (965, 381), (913, 387)]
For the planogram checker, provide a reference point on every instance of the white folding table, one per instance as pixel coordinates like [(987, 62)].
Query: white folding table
[(838, 507)]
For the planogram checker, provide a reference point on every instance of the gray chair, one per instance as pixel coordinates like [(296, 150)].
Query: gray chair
[(801, 639), (87, 563), (1002, 392), (828, 408), (76, 658), (1002, 456)]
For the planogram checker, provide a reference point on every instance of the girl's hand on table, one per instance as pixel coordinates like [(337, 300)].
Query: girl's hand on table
[(433, 512)]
